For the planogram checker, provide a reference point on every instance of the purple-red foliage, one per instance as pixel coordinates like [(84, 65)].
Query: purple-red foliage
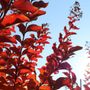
[(19, 54)]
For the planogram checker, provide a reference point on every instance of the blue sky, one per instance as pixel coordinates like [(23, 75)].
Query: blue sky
[(56, 17)]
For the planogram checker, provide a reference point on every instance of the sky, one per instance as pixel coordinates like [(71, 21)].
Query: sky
[(56, 17)]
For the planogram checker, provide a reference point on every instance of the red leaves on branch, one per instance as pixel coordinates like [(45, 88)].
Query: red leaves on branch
[(57, 60), (19, 52)]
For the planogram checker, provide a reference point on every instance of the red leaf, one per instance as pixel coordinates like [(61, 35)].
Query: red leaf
[(18, 38), (13, 19), (28, 42), (39, 48), (65, 30), (3, 54), (72, 26), (62, 82), (19, 80), (40, 4), (55, 48), (65, 65), (22, 28), (23, 71), (33, 51), (40, 12), (34, 27), (24, 6), (73, 76), (60, 38), (45, 88), (73, 49), (69, 34), (7, 39), (2, 74), (71, 18), (67, 74), (2, 62), (36, 14), (75, 27), (12, 39), (7, 31), (43, 39)]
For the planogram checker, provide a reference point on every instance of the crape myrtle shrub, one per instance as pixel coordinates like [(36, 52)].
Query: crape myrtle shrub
[(18, 72), (87, 77)]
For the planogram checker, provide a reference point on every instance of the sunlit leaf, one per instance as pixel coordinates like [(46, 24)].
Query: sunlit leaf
[(23, 71), (45, 88), (34, 27), (13, 19), (24, 6)]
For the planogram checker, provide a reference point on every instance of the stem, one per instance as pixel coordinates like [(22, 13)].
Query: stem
[(1, 14), (18, 63), (80, 84)]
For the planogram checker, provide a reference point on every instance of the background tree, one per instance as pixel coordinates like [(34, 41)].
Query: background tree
[(87, 70), (87, 77)]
